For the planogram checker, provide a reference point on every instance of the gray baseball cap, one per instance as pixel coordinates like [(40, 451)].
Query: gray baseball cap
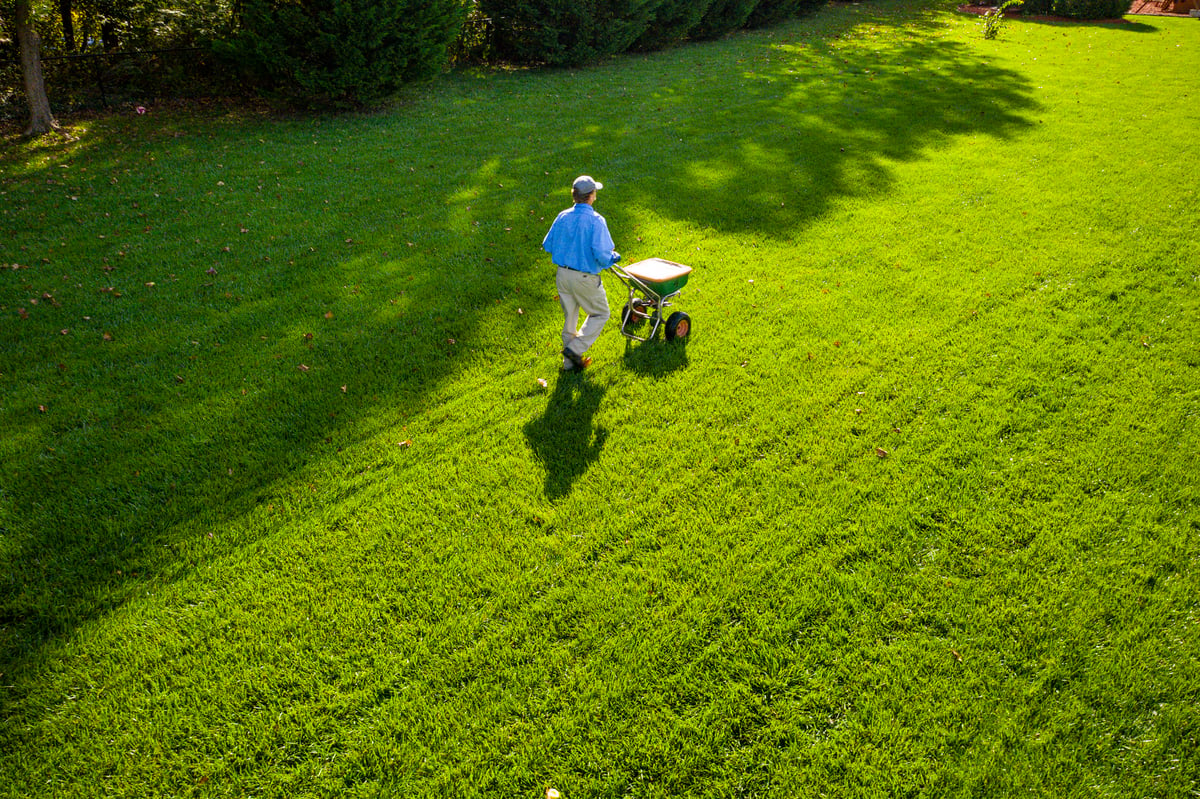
[(586, 184)]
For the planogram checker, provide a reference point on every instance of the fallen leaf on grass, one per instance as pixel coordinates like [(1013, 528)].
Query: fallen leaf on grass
[(957, 656), (329, 314), (42, 409), (405, 444), (542, 382), (881, 452), (303, 367)]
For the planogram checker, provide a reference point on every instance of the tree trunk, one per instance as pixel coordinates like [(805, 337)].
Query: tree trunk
[(68, 23), (109, 39), (40, 119)]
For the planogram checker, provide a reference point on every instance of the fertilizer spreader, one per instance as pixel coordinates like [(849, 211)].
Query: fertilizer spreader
[(651, 284)]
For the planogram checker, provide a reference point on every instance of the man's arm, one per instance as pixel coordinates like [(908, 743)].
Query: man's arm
[(602, 246), (550, 242)]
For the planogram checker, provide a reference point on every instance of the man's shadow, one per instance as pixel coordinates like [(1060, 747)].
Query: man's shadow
[(563, 439)]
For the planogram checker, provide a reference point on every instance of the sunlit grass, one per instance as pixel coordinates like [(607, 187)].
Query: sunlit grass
[(285, 511)]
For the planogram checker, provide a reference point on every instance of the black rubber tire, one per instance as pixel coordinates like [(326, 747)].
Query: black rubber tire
[(679, 326)]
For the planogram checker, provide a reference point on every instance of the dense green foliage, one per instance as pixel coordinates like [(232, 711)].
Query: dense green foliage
[(566, 32), (722, 17), (1091, 9), (83, 26), (772, 12), (673, 21), (340, 51), (1037, 7), (347, 51), (1077, 9), (99, 53)]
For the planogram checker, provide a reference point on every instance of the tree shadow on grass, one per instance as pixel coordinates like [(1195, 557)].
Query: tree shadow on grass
[(563, 439), (761, 140)]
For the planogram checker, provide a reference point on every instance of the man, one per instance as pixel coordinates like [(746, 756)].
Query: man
[(581, 248)]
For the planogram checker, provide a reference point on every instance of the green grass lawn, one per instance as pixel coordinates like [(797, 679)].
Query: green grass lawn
[(285, 511)]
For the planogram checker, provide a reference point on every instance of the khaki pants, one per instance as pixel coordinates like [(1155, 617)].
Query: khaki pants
[(579, 291)]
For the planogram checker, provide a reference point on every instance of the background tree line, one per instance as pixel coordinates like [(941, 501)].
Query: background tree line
[(68, 53)]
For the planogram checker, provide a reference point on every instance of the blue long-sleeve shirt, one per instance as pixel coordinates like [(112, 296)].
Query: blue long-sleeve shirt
[(579, 240)]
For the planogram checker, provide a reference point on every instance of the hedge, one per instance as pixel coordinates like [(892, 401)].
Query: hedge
[(348, 52), (566, 32)]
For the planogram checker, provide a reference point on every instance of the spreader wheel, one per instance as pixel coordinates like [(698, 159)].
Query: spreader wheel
[(679, 326), (633, 316)]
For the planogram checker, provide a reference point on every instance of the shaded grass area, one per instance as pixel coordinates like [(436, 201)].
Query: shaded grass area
[(913, 514)]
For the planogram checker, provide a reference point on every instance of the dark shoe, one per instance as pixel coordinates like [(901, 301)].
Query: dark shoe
[(578, 362)]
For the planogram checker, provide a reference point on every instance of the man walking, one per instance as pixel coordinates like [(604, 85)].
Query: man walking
[(581, 247)]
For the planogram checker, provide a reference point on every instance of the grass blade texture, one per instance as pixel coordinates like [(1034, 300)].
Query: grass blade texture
[(286, 512)]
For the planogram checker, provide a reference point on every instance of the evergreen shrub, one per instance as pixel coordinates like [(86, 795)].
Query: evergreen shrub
[(1091, 9), (347, 52), (1037, 7), (673, 21), (772, 12), (722, 17), (1077, 9), (566, 32)]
